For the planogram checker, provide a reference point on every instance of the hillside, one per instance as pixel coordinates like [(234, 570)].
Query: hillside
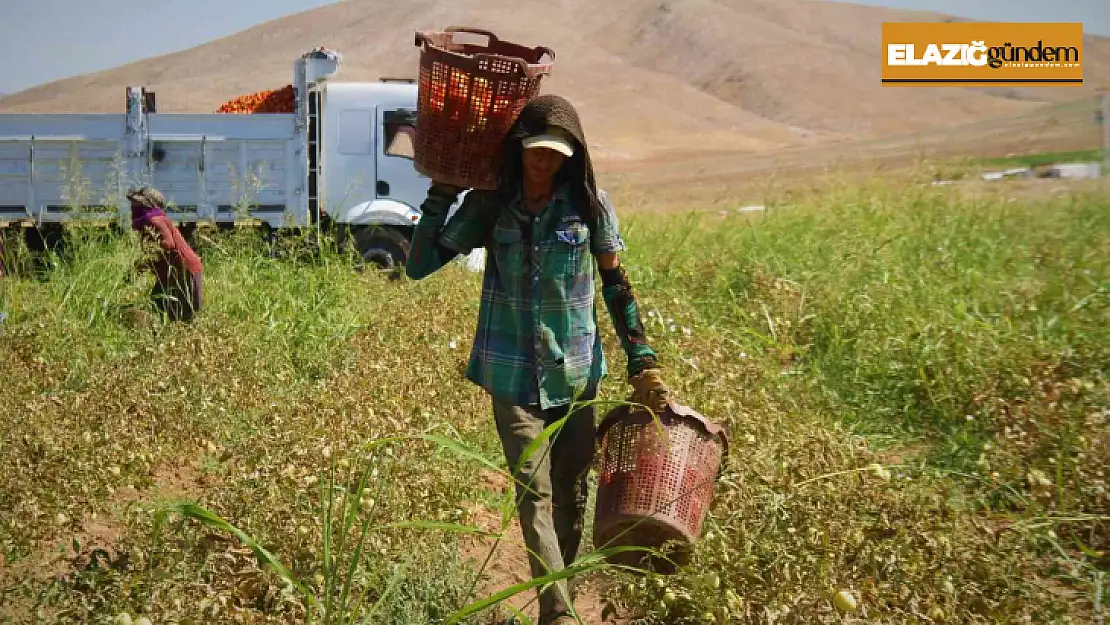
[(651, 76)]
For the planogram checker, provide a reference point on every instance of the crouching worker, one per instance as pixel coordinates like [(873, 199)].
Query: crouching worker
[(178, 271), (549, 232)]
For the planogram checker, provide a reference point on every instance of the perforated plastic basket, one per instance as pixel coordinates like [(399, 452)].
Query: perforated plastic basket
[(469, 97), (656, 481)]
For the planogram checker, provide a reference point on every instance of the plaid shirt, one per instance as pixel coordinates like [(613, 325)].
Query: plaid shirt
[(536, 342)]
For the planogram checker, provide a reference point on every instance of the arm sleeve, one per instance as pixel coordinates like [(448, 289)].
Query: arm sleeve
[(165, 235), (468, 228), (624, 311), (620, 301), (436, 241)]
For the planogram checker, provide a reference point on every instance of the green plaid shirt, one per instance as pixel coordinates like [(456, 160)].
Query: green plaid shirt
[(536, 342)]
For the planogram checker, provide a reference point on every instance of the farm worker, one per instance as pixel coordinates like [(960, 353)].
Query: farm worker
[(546, 229), (178, 271)]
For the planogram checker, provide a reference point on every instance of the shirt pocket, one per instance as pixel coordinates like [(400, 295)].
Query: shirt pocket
[(567, 250), (508, 252)]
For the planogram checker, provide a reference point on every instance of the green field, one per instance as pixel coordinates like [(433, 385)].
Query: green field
[(1045, 158), (917, 389)]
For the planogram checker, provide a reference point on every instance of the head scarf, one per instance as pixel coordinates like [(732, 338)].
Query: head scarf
[(538, 115), (146, 204)]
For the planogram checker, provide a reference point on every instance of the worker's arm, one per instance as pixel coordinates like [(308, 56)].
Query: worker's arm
[(154, 241), (434, 241), (624, 311), (164, 230)]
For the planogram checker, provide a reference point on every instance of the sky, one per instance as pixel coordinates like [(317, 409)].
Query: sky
[(45, 40)]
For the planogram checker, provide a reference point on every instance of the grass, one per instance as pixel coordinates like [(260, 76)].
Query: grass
[(914, 380), (1045, 158), (969, 167)]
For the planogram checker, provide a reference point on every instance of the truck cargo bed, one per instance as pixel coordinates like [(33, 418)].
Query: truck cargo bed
[(210, 166)]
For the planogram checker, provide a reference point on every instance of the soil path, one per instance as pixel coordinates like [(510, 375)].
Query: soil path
[(96, 536)]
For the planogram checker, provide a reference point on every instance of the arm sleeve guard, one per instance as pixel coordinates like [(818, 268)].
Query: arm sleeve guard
[(426, 253), (625, 313)]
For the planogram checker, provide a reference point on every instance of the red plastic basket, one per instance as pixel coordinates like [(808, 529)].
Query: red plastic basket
[(469, 97), (656, 482)]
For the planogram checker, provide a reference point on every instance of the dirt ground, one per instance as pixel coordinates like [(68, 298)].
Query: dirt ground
[(713, 179), (97, 537)]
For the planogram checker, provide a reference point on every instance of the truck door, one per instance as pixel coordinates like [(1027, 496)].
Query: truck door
[(397, 177), (349, 158)]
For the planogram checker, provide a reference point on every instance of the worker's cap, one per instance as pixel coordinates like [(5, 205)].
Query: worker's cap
[(147, 196), (552, 138)]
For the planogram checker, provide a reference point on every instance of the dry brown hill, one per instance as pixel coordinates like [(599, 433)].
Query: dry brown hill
[(651, 76)]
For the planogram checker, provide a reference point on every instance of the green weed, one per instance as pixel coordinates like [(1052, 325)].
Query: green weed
[(915, 382)]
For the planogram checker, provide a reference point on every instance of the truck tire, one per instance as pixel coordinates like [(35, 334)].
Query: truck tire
[(384, 248)]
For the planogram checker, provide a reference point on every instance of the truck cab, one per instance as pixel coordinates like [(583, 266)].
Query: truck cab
[(370, 187)]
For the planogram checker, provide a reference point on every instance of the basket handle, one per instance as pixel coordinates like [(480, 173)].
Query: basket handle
[(531, 70), (542, 50), (473, 31)]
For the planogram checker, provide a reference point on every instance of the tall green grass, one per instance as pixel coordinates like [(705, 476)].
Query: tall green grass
[(899, 308), (914, 379), (1046, 158)]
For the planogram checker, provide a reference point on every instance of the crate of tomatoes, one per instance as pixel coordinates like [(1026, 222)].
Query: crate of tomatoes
[(469, 96)]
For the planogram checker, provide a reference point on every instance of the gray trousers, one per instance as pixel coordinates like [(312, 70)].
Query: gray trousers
[(551, 513)]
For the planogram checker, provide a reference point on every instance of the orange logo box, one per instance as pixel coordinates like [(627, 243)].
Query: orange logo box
[(982, 54)]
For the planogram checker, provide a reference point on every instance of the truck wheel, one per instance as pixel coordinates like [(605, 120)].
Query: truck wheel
[(385, 248)]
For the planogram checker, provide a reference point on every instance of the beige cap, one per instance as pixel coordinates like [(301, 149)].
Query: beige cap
[(553, 139), (147, 196)]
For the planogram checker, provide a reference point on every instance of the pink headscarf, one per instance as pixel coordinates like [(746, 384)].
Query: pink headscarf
[(146, 204), (143, 216)]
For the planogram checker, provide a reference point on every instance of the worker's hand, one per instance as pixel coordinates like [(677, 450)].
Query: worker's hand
[(446, 189), (441, 197), (648, 389)]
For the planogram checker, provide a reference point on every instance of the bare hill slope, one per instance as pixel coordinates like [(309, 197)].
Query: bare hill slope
[(650, 76)]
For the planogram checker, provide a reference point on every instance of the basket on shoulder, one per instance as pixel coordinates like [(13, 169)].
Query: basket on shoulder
[(469, 96), (655, 484)]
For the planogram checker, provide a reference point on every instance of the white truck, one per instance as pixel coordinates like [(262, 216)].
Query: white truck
[(343, 158)]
